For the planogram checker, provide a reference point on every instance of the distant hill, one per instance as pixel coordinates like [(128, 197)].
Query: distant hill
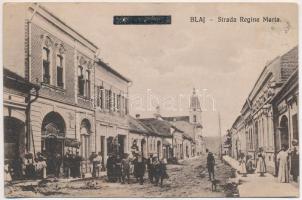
[(212, 143)]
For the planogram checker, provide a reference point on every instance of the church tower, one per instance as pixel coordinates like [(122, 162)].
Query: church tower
[(195, 109), (195, 118)]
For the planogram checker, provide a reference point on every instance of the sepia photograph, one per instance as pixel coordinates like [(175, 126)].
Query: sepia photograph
[(150, 99)]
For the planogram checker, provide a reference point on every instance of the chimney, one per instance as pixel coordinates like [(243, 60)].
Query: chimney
[(137, 116)]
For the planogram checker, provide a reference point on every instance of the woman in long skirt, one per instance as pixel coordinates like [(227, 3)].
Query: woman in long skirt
[(242, 163), (261, 166), (283, 172)]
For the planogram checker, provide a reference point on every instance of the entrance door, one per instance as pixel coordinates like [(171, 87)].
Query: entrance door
[(53, 146), (121, 144)]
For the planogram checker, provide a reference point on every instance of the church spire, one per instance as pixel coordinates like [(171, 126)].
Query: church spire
[(194, 101)]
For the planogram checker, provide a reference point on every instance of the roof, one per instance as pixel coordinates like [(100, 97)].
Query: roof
[(292, 82), (177, 118), (113, 71), (186, 127), (160, 127), (137, 126), (13, 80), (62, 22)]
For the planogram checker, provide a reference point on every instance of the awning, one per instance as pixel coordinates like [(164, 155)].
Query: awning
[(69, 142)]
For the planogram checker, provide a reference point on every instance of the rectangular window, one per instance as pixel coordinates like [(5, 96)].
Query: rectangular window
[(114, 101), (118, 103), (80, 81), (107, 100), (194, 118), (60, 71), (100, 102), (126, 106), (46, 65), (110, 100), (87, 83)]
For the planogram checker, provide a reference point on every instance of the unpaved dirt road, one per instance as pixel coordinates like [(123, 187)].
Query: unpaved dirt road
[(189, 179)]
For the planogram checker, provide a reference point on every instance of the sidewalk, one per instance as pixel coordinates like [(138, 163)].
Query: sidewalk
[(268, 186)]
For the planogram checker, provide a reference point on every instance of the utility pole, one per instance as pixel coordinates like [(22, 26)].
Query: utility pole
[(220, 143)]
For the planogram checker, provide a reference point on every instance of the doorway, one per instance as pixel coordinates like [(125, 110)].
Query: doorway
[(284, 136), (53, 134)]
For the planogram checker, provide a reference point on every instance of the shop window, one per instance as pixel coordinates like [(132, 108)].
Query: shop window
[(46, 65)]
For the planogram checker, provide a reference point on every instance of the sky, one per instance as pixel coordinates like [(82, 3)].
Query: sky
[(165, 62)]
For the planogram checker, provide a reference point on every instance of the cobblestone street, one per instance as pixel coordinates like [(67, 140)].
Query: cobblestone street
[(189, 179)]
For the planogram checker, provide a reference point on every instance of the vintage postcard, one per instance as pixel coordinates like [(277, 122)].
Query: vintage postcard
[(150, 99)]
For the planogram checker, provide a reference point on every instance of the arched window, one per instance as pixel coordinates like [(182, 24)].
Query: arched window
[(60, 70)]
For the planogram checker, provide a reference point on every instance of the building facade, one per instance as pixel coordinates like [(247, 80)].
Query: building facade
[(256, 126)]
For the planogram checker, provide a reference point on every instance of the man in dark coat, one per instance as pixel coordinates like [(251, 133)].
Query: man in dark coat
[(110, 165), (66, 164), (160, 171), (150, 167), (210, 165), (294, 164), (118, 168), (58, 163), (139, 167), (77, 160)]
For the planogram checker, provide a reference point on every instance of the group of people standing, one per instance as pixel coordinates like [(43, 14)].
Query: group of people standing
[(287, 161), (120, 168)]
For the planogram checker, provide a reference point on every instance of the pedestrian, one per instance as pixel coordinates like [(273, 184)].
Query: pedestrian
[(211, 165), (16, 166), (78, 160), (261, 166), (160, 171), (282, 159), (110, 165), (294, 170), (249, 165), (66, 164), (242, 164), (73, 165), (29, 166), (150, 167), (139, 168), (93, 163), (41, 165), (125, 166), (7, 171), (58, 164), (118, 168), (98, 161)]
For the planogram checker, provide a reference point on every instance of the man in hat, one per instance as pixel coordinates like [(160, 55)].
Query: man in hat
[(150, 167), (77, 160), (210, 165), (125, 168), (110, 165), (139, 167)]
